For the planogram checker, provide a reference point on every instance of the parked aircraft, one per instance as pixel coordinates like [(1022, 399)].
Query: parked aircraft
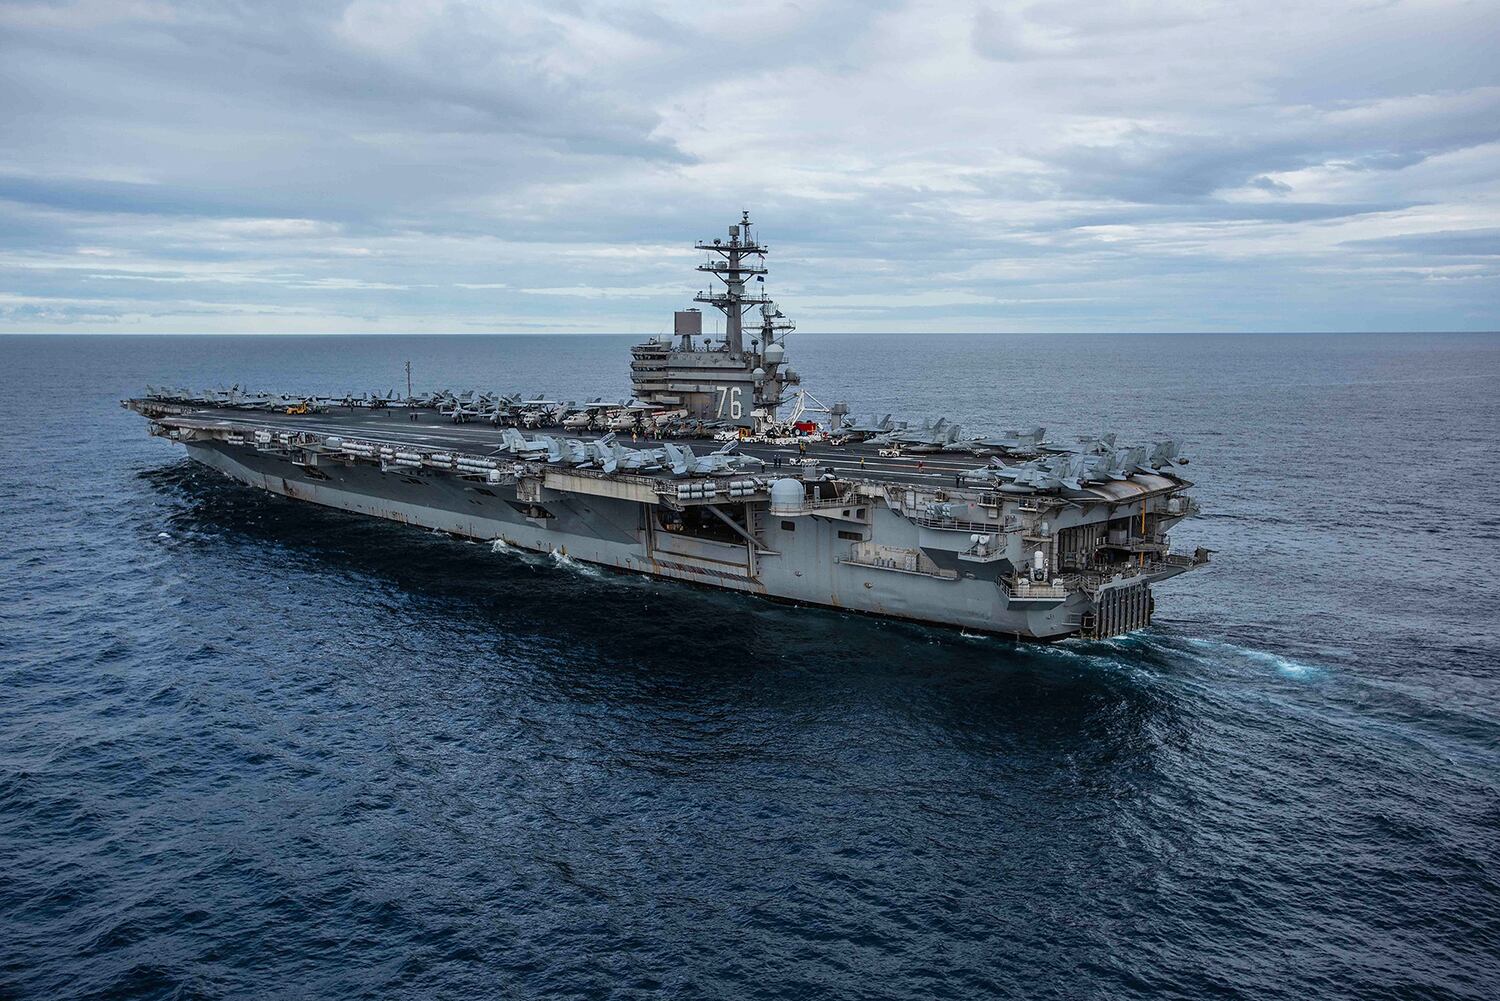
[(461, 410), (853, 430), (683, 462), (1014, 442), (632, 460), (932, 437)]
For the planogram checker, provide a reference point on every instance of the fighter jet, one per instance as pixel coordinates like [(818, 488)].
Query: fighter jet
[(1053, 474), (460, 410), (1165, 455), (1120, 463), (601, 452), (517, 443), (258, 401), (633, 460), (1011, 442), (446, 402), (499, 411), (853, 430), (683, 462), (932, 437), (1116, 464), (1030, 479), (546, 448), (236, 397), (572, 452), (1095, 444)]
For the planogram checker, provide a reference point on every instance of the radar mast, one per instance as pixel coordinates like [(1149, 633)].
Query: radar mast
[(739, 260)]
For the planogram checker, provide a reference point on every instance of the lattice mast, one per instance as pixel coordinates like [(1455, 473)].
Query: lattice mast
[(739, 261)]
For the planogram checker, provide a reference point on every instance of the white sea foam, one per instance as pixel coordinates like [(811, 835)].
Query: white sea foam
[(1094, 655), (569, 563), (1282, 665)]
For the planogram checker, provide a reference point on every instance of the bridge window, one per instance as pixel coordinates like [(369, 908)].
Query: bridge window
[(852, 536), (788, 526)]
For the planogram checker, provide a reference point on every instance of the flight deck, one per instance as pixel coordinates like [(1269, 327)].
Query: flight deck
[(430, 429)]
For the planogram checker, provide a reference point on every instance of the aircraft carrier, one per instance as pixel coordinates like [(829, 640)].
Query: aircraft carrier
[(700, 478)]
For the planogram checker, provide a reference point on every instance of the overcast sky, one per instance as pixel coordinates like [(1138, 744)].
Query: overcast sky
[(419, 165)]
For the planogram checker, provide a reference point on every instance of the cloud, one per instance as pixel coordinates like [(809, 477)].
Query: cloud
[(437, 165), (1444, 243)]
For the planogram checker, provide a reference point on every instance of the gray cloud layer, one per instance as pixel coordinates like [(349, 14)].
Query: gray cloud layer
[(385, 165)]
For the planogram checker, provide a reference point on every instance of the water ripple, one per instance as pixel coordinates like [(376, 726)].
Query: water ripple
[(250, 749)]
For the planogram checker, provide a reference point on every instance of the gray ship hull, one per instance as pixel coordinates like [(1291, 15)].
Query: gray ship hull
[(803, 560)]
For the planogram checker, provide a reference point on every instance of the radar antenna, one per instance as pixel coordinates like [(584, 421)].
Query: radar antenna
[(740, 259)]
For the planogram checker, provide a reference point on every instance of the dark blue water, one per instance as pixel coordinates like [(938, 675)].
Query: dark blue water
[(250, 749)]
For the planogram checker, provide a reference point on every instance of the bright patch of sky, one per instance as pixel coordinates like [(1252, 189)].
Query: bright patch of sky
[(434, 165)]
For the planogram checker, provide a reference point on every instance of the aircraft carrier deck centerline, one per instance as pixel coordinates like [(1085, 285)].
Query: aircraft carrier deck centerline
[(698, 477)]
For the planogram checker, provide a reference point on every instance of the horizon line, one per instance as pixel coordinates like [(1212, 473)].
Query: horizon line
[(616, 333)]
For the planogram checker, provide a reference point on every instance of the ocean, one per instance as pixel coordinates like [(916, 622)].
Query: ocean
[(254, 749)]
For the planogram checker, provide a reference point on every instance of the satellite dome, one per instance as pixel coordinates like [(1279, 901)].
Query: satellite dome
[(774, 353), (759, 375), (786, 497)]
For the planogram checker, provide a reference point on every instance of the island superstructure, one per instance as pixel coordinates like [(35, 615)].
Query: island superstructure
[(729, 381), (700, 479)]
